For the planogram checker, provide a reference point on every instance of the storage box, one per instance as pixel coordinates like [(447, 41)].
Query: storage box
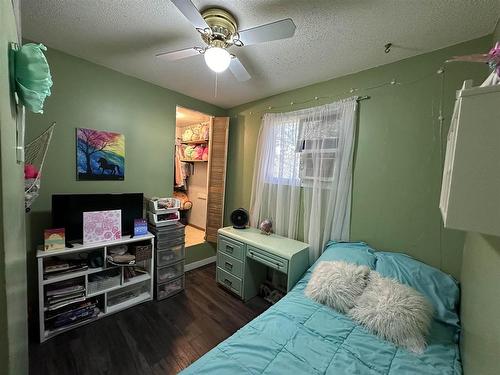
[(124, 294), (168, 232), (102, 281), (142, 252), (163, 205), (169, 288), (167, 244), (171, 255), (162, 219), (169, 272)]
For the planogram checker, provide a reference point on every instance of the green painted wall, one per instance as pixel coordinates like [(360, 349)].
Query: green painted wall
[(89, 95), (397, 173), (13, 327), (480, 305)]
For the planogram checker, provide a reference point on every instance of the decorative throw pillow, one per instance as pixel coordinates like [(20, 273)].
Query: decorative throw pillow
[(337, 284), (394, 312)]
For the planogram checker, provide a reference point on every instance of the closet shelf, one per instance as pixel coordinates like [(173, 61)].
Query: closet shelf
[(198, 142), (193, 161)]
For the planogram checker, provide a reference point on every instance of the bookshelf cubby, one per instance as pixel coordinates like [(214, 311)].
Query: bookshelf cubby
[(118, 291)]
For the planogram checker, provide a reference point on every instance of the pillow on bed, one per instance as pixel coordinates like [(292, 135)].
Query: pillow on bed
[(440, 289), (351, 252), (337, 284), (394, 311)]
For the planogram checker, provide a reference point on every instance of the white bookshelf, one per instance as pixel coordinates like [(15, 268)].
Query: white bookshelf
[(145, 281)]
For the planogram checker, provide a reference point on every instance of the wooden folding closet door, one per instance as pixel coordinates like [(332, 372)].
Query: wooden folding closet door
[(217, 162)]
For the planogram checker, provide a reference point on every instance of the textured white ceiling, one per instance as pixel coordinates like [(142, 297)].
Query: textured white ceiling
[(333, 38)]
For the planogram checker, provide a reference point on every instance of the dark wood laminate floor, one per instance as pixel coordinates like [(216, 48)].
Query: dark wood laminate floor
[(152, 338)]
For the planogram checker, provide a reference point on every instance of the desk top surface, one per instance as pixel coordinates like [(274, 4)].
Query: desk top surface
[(279, 245)]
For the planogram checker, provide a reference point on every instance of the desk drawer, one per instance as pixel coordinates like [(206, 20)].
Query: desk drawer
[(229, 264), (270, 260), (229, 281), (234, 248)]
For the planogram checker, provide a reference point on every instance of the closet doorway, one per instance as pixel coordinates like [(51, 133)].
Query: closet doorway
[(200, 173)]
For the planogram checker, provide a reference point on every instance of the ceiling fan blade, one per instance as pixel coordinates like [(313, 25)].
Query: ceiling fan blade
[(191, 13), (179, 54), (238, 70), (272, 31)]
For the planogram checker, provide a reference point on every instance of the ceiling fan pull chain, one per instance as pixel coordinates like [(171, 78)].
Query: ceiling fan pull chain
[(215, 93)]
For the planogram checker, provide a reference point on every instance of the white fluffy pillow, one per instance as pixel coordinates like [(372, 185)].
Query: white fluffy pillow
[(395, 312), (337, 284)]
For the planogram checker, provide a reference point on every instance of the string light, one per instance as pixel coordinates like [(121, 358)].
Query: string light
[(392, 82)]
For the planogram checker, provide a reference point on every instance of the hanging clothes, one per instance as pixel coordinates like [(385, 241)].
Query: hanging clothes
[(179, 178)]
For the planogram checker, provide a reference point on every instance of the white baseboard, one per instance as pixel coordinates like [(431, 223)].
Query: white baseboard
[(200, 263)]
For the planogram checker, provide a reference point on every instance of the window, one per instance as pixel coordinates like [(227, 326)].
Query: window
[(284, 163), (300, 162), (317, 160)]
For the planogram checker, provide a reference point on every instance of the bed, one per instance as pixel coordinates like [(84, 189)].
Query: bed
[(300, 336)]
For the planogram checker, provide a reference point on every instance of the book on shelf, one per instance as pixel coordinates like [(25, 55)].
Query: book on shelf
[(54, 300), (56, 267), (64, 294), (65, 289), (65, 324), (50, 315), (58, 305), (69, 315)]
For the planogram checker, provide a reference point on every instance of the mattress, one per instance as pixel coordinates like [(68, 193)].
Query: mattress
[(300, 336)]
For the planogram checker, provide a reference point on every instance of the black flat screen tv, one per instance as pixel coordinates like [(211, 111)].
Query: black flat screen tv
[(68, 209)]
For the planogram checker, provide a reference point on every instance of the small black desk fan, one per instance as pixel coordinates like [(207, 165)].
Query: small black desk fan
[(239, 218)]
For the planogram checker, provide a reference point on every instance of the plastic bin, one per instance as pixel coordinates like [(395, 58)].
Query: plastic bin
[(170, 288), (102, 281), (126, 293), (163, 219), (168, 232), (167, 244), (163, 205), (171, 255), (168, 273)]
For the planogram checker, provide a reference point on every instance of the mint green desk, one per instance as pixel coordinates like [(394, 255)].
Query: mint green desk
[(244, 255)]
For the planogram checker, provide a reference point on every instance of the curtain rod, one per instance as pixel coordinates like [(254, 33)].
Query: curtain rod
[(365, 97)]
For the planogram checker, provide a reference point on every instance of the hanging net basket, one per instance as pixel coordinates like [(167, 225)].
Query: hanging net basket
[(35, 153)]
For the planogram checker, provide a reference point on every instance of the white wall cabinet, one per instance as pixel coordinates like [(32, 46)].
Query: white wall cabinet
[(470, 192)]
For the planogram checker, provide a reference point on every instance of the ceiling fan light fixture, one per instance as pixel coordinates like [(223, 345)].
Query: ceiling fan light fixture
[(217, 59)]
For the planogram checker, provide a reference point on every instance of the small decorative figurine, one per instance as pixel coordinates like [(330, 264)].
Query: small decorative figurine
[(266, 227)]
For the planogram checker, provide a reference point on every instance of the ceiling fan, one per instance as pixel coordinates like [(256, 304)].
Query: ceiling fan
[(219, 31)]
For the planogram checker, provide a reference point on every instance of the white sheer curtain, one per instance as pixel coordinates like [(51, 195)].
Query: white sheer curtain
[(276, 183), (303, 166)]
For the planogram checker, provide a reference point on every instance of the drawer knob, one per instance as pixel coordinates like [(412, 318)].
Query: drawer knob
[(228, 282), (229, 249), (228, 265)]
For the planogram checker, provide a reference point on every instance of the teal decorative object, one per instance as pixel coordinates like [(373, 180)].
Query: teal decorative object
[(32, 76)]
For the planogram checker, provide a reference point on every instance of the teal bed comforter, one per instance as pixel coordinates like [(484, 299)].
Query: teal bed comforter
[(300, 336)]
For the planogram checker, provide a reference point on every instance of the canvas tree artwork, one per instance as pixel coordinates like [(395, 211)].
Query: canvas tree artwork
[(100, 155)]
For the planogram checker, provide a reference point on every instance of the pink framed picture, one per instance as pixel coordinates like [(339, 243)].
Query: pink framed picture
[(102, 226)]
